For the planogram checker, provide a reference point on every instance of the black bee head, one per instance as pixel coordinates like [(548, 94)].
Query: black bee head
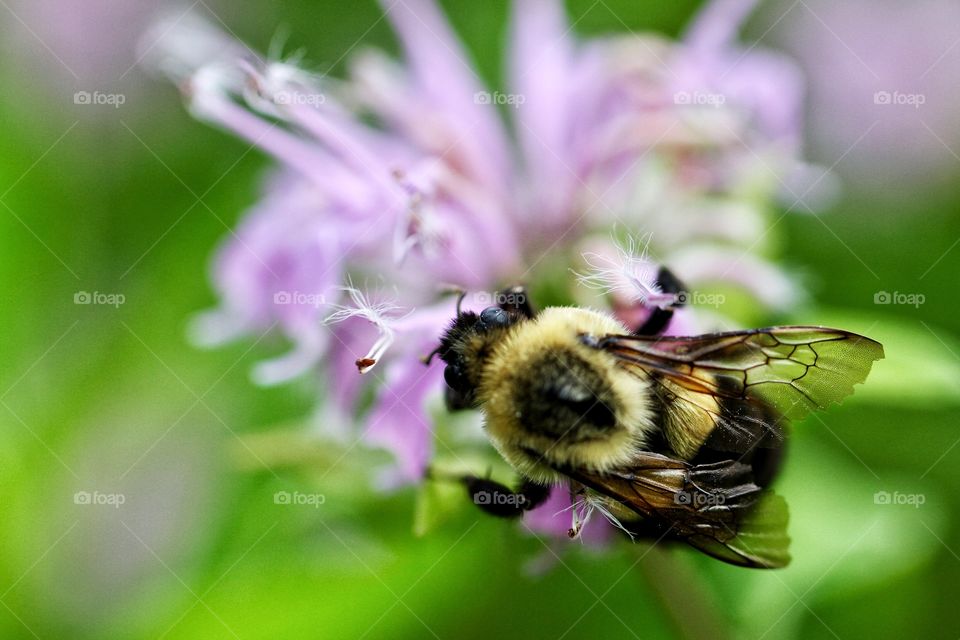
[(464, 348)]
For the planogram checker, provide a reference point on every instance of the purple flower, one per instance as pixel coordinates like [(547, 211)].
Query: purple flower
[(561, 516), (91, 43), (674, 141), (883, 88)]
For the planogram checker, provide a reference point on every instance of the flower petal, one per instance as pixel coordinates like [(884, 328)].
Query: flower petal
[(447, 80), (541, 57), (399, 421)]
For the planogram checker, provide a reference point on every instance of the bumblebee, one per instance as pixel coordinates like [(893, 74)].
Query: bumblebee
[(673, 438)]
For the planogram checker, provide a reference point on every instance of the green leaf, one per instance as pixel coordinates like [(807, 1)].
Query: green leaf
[(846, 537), (437, 502)]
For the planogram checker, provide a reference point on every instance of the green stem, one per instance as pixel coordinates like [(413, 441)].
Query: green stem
[(683, 594)]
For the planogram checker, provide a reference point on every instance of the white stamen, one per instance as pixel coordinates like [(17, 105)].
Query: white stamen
[(179, 45), (275, 86), (380, 314), (583, 509), (210, 87), (418, 226), (631, 273)]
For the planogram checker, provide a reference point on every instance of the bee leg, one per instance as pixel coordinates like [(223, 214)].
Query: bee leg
[(515, 301), (660, 318), (499, 500)]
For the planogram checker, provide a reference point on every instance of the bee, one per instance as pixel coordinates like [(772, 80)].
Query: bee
[(673, 438)]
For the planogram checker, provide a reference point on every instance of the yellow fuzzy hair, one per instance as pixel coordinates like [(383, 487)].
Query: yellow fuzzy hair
[(516, 356)]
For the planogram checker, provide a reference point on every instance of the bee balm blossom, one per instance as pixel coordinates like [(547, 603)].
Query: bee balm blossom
[(412, 177)]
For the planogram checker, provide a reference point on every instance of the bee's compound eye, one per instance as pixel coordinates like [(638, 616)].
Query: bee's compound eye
[(494, 317), (453, 376)]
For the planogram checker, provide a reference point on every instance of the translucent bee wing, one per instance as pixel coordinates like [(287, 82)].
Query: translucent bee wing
[(792, 369), (761, 541), (715, 507)]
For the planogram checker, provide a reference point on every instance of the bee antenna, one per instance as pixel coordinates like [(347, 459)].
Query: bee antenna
[(427, 359), (463, 294)]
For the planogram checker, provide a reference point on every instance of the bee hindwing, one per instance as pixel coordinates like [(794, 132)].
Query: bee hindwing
[(715, 507)]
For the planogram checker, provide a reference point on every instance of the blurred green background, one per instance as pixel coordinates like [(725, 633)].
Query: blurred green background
[(114, 400)]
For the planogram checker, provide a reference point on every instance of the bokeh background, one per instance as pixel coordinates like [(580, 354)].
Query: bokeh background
[(181, 455)]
